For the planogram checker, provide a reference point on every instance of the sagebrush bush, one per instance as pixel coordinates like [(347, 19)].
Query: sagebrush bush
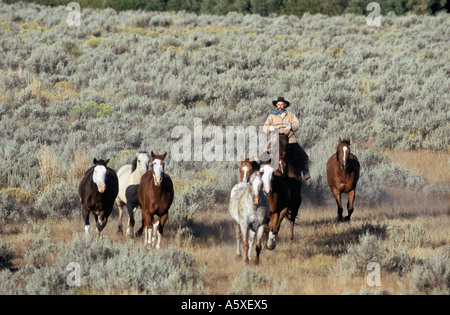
[(412, 236), (355, 260), (248, 282), (10, 210), (60, 200), (432, 275), (5, 256), (119, 268)]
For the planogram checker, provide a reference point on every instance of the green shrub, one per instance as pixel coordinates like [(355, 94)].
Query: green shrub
[(91, 109)]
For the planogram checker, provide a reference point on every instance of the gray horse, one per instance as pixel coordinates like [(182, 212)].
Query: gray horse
[(249, 209)]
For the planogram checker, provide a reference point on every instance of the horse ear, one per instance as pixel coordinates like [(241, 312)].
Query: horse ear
[(106, 162), (164, 155), (152, 155), (95, 161), (348, 139), (340, 140)]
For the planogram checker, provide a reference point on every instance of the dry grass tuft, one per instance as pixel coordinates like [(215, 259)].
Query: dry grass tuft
[(433, 166)]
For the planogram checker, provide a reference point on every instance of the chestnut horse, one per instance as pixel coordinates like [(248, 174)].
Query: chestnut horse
[(342, 175), (98, 190), (246, 169), (278, 198), (155, 195)]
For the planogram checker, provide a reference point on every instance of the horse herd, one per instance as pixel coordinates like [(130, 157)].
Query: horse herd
[(258, 204)]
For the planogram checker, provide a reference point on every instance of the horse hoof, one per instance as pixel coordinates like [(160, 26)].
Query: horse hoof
[(347, 219), (119, 231)]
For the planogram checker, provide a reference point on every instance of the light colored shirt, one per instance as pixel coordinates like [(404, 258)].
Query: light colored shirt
[(281, 121)]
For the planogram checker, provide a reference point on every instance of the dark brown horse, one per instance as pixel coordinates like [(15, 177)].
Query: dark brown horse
[(98, 190), (155, 194), (342, 175), (289, 167)]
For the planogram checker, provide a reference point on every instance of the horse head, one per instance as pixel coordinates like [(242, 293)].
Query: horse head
[(99, 175), (158, 167), (343, 152), (282, 164), (245, 170), (266, 172), (283, 141), (141, 162), (256, 184)]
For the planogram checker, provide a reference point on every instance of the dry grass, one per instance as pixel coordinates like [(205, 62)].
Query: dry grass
[(306, 265), (433, 166), (52, 169)]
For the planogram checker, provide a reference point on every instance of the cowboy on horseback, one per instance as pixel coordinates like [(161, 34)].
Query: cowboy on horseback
[(287, 123)]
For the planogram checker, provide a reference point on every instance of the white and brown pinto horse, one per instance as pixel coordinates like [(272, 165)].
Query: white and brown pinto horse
[(130, 175), (155, 195), (98, 190), (249, 209)]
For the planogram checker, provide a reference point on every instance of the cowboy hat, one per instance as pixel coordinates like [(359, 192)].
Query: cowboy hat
[(281, 99)]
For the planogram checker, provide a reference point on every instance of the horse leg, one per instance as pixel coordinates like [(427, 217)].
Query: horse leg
[(101, 222), (337, 196), (131, 221), (351, 200), (160, 229), (120, 204), (274, 218), (244, 230), (238, 238), (251, 241), (141, 229), (148, 231), (86, 220), (97, 225), (259, 236)]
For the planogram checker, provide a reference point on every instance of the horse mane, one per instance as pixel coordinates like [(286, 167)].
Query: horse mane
[(134, 162)]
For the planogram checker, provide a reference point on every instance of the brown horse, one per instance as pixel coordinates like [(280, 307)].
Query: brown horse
[(278, 199), (246, 169), (155, 195), (342, 175), (290, 168), (98, 190)]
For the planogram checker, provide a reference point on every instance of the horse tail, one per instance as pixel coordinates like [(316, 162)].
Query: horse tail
[(291, 216)]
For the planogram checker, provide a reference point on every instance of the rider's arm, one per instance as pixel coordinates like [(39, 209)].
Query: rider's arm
[(294, 123)]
